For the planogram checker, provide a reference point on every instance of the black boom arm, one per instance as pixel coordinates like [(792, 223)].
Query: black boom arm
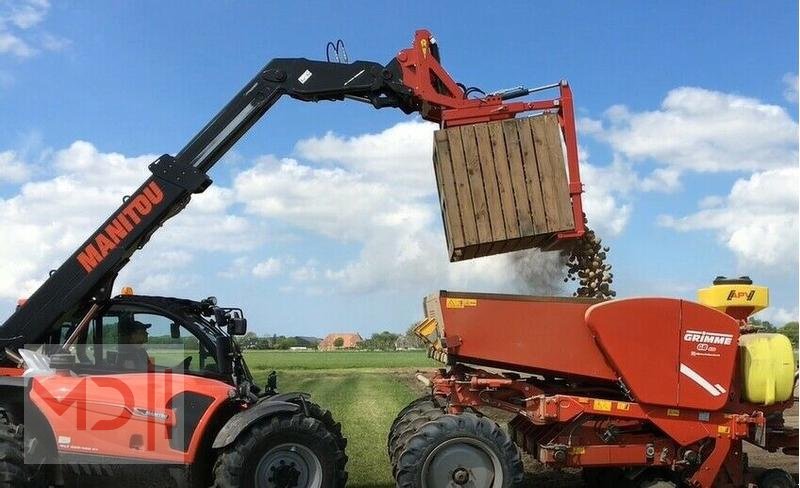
[(88, 275)]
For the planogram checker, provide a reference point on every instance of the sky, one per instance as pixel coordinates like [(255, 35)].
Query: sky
[(324, 217)]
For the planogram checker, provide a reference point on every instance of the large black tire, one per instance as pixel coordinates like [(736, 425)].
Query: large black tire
[(324, 416), (427, 409), (406, 429), (463, 448), (776, 478), (14, 473), (283, 452), (427, 399)]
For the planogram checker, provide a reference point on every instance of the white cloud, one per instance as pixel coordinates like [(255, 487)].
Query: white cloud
[(20, 34), (790, 87), (606, 200), (757, 221), (24, 14), (267, 269), (48, 218), (703, 131), (14, 45), (778, 316), (402, 151), (12, 169)]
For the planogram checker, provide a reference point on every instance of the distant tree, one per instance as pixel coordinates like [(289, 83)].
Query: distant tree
[(366, 345), (385, 341), (790, 330), (285, 343), (412, 339), (248, 341), (338, 342), (764, 325)]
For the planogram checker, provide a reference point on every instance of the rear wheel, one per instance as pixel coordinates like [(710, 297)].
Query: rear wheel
[(460, 450), (776, 478), (407, 428), (283, 452), (425, 400)]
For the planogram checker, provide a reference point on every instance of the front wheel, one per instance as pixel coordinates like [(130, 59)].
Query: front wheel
[(283, 452)]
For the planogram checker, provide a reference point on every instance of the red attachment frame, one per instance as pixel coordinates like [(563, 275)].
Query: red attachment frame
[(442, 100), (556, 427)]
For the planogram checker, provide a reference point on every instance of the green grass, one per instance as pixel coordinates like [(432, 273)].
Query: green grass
[(291, 360), (363, 390)]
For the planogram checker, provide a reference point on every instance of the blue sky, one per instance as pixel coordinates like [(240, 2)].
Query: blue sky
[(323, 218)]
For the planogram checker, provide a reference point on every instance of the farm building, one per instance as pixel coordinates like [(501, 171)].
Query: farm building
[(349, 341)]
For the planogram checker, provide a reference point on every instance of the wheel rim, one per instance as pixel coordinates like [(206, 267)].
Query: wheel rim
[(462, 462), (289, 466)]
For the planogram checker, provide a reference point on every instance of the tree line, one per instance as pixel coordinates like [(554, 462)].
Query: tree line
[(379, 341)]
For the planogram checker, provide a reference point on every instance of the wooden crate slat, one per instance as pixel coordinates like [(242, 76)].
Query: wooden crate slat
[(468, 223), (491, 187), (532, 183), (559, 204), (514, 155), (448, 202), (475, 176), (504, 186)]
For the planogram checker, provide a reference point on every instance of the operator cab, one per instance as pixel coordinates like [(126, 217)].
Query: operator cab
[(138, 333)]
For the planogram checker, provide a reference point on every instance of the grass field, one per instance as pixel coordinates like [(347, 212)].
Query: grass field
[(364, 390)]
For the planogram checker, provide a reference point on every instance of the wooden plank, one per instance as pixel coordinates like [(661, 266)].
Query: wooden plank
[(447, 192), (491, 187), (517, 172), (464, 197), (475, 176), (502, 170), (554, 167), (544, 156), (532, 183)]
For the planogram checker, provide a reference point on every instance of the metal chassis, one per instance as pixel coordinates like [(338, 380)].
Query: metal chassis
[(547, 421)]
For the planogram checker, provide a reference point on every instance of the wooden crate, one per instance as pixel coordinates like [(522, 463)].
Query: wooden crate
[(502, 185)]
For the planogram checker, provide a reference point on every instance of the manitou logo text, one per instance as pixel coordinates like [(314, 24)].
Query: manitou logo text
[(131, 215), (738, 295), (705, 337)]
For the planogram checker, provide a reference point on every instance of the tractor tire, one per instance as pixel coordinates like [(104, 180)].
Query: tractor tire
[(283, 451), (776, 478), (324, 416), (414, 420), (462, 449), (14, 473), (422, 411), (427, 399)]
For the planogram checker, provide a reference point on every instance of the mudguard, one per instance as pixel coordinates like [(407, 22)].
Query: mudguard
[(244, 419)]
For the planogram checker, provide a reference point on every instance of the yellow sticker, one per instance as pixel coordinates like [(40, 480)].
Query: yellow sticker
[(723, 429), (623, 406), (672, 412), (461, 302), (602, 405), (578, 450)]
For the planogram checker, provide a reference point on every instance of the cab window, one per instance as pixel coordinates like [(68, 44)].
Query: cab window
[(140, 340)]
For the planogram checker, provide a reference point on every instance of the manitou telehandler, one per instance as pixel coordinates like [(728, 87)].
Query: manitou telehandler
[(86, 399)]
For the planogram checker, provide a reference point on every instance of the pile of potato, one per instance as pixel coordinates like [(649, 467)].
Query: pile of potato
[(586, 264)]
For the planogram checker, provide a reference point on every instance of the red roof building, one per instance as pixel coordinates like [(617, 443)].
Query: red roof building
[(349, 341)]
